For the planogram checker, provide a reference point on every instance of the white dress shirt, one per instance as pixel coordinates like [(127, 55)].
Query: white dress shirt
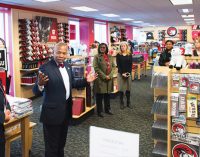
[(65, 78)]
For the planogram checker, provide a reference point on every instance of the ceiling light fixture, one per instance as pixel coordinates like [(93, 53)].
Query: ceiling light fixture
[(185, 10), (110, 15), (137, 21), (84, 8), (181, 2), (190, 22), (126, 19), (46, 1), (189, 19), (187, 16), (145, 24)]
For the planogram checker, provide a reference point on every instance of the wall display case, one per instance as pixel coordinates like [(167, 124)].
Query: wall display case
[(32, 53), (183, 34), (63, 32), (83, 98)]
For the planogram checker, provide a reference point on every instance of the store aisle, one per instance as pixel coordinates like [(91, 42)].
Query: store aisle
[(138, 120)]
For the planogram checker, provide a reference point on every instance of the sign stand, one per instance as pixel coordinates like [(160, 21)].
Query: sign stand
[(4, 66)]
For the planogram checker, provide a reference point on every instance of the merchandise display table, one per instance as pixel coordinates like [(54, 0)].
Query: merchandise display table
[(138, 68), (145, 55), (24, 123)]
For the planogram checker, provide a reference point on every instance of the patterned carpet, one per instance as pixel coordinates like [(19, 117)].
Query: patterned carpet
[(137, 120)]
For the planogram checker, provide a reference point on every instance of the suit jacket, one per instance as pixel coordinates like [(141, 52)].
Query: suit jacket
[(55, 108), (2, 104), (2, 115)]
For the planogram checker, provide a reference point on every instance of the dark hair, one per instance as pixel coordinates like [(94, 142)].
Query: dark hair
[(169, 41), (100, 46)]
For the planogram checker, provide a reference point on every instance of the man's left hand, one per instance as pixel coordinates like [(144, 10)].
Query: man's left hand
[(91, 77)]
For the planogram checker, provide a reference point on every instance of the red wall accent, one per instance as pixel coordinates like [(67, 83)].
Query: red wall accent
[(129, 32), (87, 31)]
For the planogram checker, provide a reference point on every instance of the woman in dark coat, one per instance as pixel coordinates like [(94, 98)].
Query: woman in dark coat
[(104, 66), (165, 56), (4, 117)]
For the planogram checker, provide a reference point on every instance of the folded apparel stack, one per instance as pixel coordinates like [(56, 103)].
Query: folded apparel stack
[(20, 106)]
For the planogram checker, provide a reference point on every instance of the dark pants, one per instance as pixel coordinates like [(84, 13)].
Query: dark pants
[(2, 141), (99, 98), (55, 138)]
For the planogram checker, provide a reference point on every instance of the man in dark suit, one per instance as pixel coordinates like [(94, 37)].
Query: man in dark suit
[(55, 80), (5, 116)]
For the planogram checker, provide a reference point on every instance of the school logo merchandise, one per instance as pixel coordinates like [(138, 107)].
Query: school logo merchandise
[(171, 31), (178, 128), (183, 150)]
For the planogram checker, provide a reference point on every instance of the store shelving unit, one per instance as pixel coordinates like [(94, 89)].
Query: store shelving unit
[(160, 146), (29, 70), (192, 59), (191, 126), (81, 92)]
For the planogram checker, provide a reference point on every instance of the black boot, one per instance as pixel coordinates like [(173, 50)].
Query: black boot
[(121, 94), (128, 95)]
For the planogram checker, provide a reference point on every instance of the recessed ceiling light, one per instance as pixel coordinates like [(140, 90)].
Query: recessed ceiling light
[(189, 19), (181, 2), (84, 8), (145, 24), (126, 19), (110, 15), (185, 10), (44, 1), (187, 16), (190, 22), (137, 21)]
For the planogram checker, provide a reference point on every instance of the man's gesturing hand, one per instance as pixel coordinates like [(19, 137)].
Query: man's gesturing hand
[(42, 79)]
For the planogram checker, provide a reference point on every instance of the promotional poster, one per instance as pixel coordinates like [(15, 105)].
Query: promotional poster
[(48, 31), (3, 59)]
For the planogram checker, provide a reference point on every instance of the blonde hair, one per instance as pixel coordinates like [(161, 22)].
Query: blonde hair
[(128, 52)]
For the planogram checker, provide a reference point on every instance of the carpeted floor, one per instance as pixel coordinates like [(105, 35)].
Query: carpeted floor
[(137, 120)]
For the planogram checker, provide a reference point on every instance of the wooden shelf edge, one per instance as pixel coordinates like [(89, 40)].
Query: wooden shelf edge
[(86, 110), (186, 71), (27, 70), (27, 84)]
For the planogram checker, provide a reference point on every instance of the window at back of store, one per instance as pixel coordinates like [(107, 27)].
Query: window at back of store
[(75, 43), (100, 33)]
